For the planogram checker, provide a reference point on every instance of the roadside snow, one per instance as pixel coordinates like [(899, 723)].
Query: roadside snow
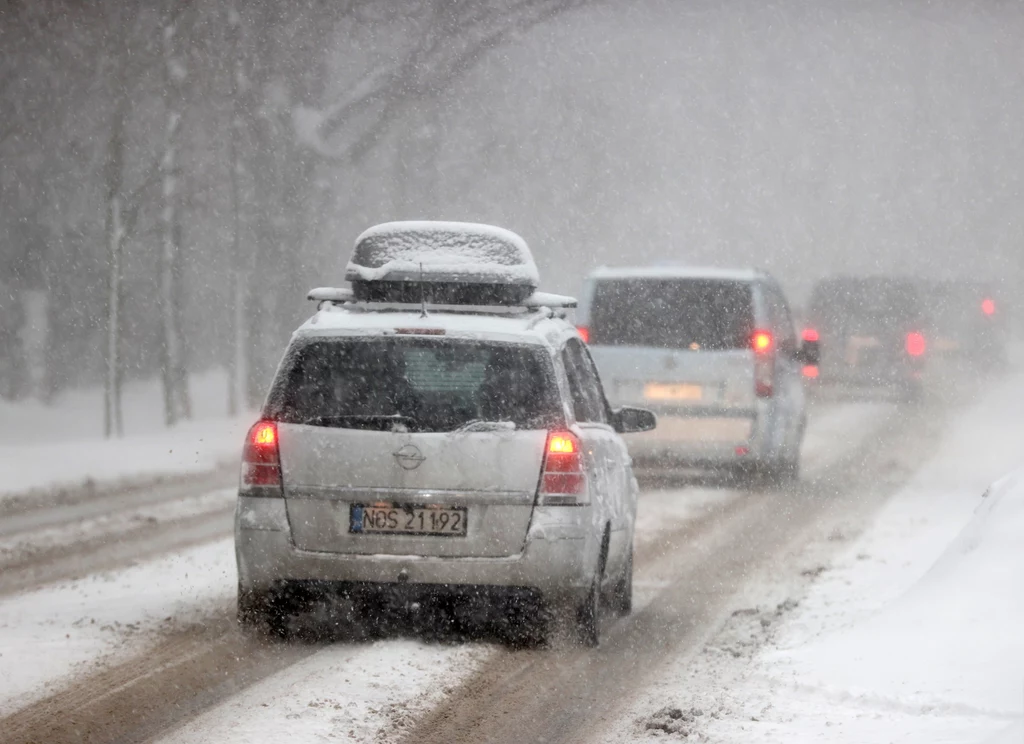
[(912, 635), (48, 634), (111, 525), (60, 445)]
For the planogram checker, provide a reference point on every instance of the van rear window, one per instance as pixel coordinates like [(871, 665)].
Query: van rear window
[(698, 314), (414, 384)]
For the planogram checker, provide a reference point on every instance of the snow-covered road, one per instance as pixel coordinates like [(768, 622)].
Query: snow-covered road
[(149, 649)]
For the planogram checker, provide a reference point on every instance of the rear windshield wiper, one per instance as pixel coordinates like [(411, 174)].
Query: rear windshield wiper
[(380, 419), (484, 425)]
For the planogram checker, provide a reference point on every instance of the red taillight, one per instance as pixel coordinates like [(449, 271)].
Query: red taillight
[(761, 342), (810, 371), (584, 333), (988, 306), (916, 345), (261, 458), (563, 480), (810, 335), (764, 363)]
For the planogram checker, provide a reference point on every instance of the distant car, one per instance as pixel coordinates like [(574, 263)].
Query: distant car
[(874, 333), (714, 353), (438, 433), (965, 320)]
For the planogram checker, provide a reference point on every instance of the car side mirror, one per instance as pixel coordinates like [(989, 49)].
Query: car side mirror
[(628, 420), (809, 353)]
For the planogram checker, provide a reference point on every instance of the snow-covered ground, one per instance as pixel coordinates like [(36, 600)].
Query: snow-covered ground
[(51, 633), (913, 634), (60, 445)]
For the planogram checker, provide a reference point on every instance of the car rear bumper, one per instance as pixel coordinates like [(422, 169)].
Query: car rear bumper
[(557, 559)]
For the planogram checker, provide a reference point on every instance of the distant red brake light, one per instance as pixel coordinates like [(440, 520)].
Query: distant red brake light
[(810, 371), (916, 345), (810, 334), (988, 306), (584, 333)]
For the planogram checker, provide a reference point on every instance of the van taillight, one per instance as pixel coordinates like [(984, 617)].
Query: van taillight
[(261, 458), (563, 480), (584, 333), (763, 345), (988, 306), (916, 344), (762, 342)]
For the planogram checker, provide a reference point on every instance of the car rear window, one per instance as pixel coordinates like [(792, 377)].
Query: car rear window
[(877, 306), (414, 384), (672, 313)]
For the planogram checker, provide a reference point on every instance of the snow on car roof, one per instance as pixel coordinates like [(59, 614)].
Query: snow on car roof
[(442, 251), (676, 272), (526, 327)]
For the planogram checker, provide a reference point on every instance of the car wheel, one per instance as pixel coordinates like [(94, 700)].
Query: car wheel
[(588, 614), (261, 611), (622, 596), (588, 630)]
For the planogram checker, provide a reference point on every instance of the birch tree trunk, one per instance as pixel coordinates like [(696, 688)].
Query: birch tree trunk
[(238, 362), (113, 424), (175, 377)]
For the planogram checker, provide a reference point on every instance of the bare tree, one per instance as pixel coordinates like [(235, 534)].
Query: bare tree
[(173, 372)]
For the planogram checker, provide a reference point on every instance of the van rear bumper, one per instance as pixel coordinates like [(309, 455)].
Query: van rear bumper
[(557, 559), (699, 441)]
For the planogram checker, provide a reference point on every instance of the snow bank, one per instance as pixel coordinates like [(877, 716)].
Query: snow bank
[(954, 640), (61, 444)]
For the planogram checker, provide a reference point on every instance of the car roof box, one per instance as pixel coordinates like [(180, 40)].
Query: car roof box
[(454, 263)]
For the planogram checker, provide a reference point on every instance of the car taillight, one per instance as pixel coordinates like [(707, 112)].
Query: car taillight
[(916, 344), (811, 334), (988, 306), (810, 371), (584, 333), (764, 363), (563, 480), (261, 458)]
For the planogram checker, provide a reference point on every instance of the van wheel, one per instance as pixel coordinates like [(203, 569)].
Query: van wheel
[(622, 596)]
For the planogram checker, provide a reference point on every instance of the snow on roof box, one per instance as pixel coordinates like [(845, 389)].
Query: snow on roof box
[(442, 252)]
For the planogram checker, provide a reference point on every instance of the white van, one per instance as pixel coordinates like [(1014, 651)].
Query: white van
[(714, 353)]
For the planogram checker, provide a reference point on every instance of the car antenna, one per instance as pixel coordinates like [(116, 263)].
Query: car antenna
[(423, 295)]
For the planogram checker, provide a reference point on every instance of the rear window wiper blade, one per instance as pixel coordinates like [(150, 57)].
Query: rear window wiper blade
[(481, 425), (359, 418)]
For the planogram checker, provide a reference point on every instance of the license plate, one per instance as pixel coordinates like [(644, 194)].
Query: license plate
[(673, 391), (394, 519)]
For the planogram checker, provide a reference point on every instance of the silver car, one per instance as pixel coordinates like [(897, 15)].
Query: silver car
[(413, 451), (714, 353)]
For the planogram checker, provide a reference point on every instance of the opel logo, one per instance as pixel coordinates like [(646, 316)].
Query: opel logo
[(409, 457)]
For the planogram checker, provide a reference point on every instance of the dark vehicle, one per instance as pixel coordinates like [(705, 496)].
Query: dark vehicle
[(966, 322), (873, 333)]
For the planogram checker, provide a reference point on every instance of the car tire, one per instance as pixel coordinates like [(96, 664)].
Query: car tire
[(588, 613), (622, 595), (263, 612), (588, 616)]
